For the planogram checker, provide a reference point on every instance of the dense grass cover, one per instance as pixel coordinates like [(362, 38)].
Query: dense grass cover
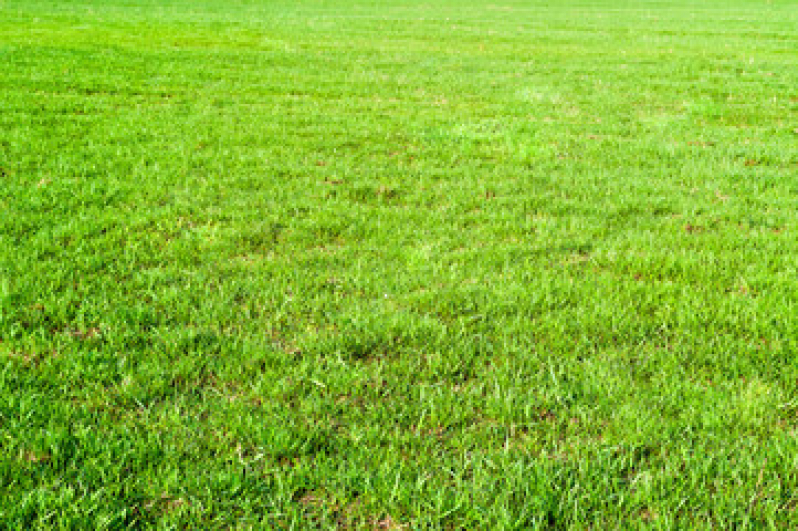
[(348, 264)]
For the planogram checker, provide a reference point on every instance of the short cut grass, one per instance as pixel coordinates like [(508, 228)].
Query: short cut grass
[(399, 264)]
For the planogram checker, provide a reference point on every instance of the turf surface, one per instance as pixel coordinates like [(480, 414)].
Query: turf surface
[(402, 264)]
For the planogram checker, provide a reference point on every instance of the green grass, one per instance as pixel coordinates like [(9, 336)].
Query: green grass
[(380, 265)]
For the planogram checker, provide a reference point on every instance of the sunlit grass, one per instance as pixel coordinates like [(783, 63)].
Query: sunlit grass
[(324, 264)]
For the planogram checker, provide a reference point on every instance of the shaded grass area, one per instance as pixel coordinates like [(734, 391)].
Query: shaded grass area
[(347, 265)]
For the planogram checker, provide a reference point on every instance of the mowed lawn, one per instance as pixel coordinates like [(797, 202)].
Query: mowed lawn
[(327, 264)]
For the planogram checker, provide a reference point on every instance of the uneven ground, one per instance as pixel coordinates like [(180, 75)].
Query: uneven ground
[(401, 264)]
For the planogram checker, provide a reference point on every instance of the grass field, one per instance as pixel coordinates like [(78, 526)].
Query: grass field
[(398, 265)]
